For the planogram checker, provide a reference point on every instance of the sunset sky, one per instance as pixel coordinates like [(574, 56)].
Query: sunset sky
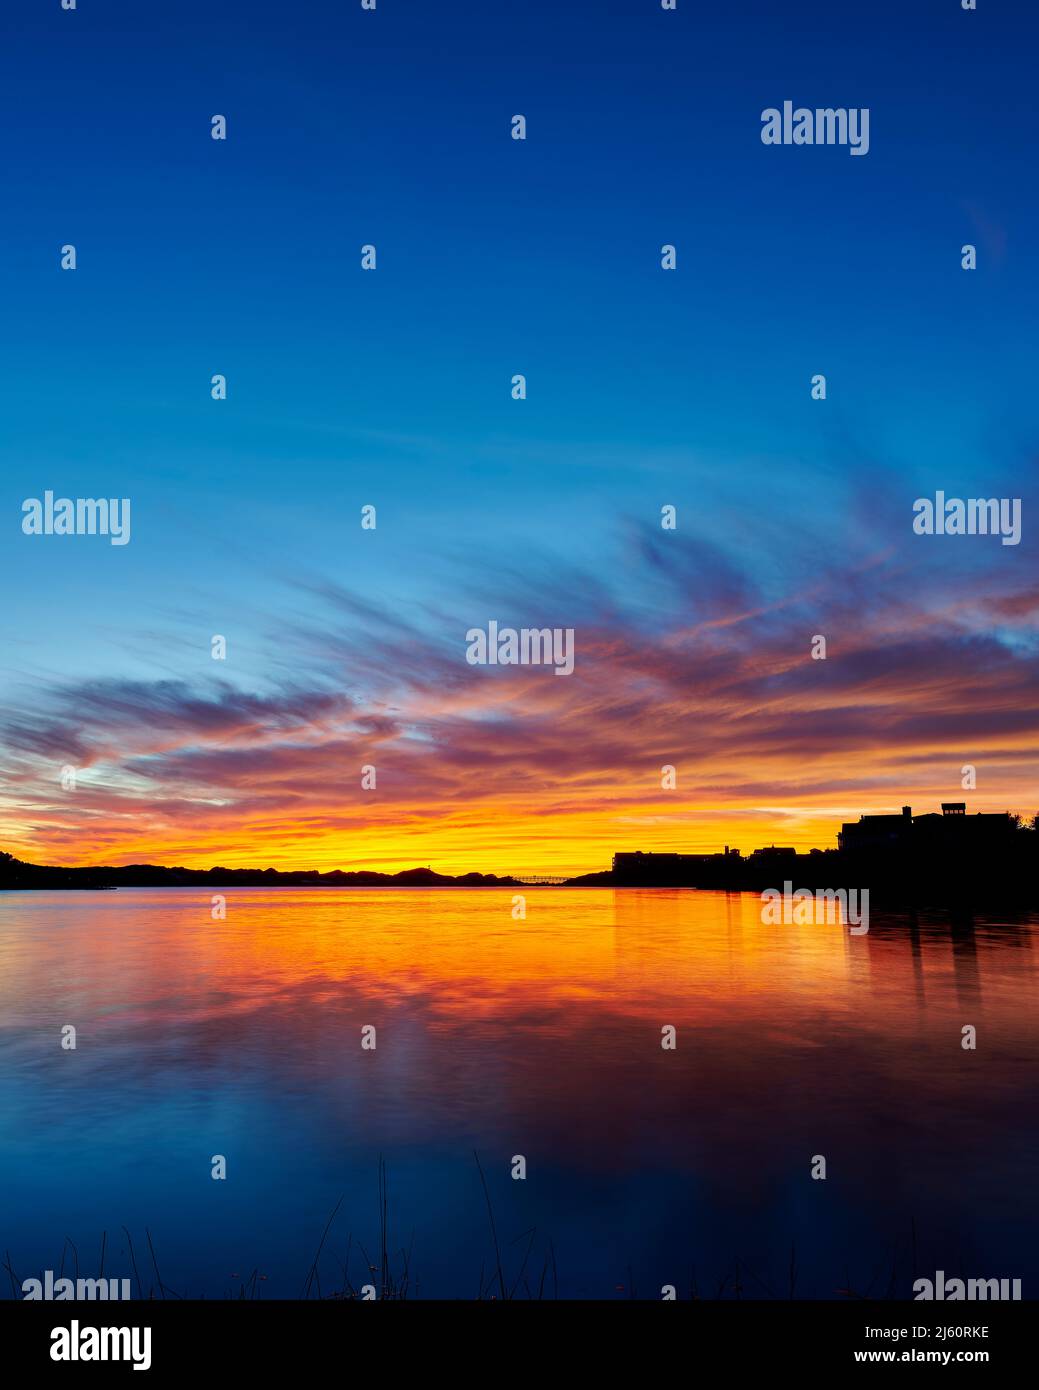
[(345, 388)]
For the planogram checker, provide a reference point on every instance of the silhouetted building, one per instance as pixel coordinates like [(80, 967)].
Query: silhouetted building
[(951, 857), (927, 832), (954, 826), (638, 862), (877, 832)]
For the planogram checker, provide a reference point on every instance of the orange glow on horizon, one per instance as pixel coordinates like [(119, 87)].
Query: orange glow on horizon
[(485, 840)]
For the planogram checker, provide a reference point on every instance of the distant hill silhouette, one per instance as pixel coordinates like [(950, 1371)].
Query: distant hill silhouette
[(16, 874)]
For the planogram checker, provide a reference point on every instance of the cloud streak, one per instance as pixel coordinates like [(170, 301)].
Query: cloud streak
[(686, 655)]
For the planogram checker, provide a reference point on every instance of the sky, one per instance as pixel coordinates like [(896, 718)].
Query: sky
[(645, 388)]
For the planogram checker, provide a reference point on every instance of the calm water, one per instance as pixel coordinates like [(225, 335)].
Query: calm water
[(539, 1037)]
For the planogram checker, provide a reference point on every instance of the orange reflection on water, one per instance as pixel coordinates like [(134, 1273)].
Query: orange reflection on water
[(703, 957)]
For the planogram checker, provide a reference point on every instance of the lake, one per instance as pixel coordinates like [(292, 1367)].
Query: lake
[(536, 1038)]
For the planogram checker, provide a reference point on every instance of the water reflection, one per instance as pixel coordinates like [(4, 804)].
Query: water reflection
[(540, 1037)]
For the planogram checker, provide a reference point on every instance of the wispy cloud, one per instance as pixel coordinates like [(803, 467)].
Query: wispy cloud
[(686, 655)]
